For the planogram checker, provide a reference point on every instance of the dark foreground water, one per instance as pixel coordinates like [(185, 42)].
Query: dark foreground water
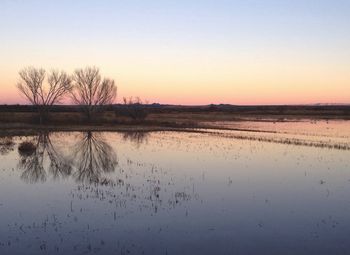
[(175, 193)]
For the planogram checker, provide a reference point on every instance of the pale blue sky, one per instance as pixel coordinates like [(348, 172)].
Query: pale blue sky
[(130, 38)]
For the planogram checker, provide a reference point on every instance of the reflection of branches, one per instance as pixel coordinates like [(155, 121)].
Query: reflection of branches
[(33, 164), (136, 136), (6, 145), (33, 168), (93, 157), (59, 165)]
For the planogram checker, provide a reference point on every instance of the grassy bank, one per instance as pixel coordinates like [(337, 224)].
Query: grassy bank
[(114, 113), (163, 117)]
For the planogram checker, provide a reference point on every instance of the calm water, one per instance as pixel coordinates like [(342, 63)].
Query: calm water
[(222, 192)]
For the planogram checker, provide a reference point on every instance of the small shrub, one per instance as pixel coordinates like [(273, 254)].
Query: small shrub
[(134, 109)]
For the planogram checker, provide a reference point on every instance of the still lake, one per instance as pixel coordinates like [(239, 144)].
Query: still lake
[(282, 188)]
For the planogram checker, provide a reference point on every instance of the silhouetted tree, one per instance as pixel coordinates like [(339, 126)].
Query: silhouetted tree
[(91, 91), (40, 94)]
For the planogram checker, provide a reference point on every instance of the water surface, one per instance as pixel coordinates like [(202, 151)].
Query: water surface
[(217, 192)]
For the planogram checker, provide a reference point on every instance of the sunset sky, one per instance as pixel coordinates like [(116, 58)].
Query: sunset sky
[(186, 51)]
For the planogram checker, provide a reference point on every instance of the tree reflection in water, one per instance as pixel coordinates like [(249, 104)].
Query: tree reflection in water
[(139, 187), (93, 157), (137, 137), (33, 164)]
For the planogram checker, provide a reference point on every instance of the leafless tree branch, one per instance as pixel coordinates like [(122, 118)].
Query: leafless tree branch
[(42, 95), (90, 90)]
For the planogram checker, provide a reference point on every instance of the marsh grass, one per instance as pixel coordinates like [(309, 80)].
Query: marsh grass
[(287, 140)]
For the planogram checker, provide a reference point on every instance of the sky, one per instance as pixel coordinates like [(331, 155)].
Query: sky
[(188, 52)]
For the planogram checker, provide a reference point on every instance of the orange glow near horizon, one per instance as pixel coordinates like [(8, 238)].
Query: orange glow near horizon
[(201, 83)]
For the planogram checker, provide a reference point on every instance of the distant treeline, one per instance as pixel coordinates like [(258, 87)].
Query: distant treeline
[(334, 110)]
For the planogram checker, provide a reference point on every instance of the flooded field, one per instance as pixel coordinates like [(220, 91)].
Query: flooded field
[(270, 188)]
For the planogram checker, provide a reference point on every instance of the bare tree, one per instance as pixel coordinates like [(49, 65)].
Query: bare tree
[(42, 95), (91, 91), (31, 81)]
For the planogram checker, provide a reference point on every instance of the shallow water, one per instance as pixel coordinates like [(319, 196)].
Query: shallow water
[(325, 128), (175, 193)]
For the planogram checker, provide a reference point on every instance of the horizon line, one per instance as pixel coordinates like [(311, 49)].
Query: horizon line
[(201, 105)]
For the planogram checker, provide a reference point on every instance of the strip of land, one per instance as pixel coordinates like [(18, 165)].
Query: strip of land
[(163, 117)]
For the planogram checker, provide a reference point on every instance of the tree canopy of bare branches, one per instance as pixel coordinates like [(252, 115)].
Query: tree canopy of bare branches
[(90, 90), (43, 95)]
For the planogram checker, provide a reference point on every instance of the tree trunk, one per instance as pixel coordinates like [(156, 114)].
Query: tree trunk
[(40, 111), (43, 114), (89, 115)]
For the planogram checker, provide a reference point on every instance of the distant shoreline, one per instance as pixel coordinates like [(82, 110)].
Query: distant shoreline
[(24, 129), (165, 116)]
